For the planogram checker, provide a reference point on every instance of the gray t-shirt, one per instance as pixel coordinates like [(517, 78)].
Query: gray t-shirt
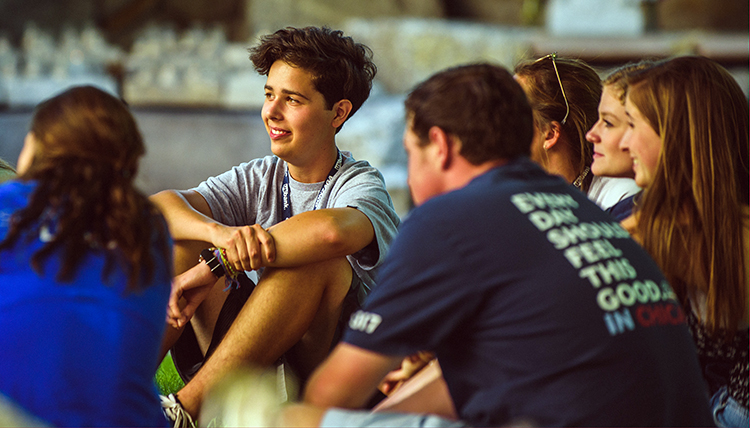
[(250, 193)]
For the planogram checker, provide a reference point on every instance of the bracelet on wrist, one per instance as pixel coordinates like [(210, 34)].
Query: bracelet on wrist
[(214, 263), (230, 270), (220, 266)]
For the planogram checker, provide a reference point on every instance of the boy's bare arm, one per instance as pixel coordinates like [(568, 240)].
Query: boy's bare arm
[(305, 238), (187, 213)]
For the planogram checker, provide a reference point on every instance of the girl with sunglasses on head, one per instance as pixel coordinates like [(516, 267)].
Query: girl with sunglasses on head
[(85, 269), (609, 160), (688, 137), (564, 95)]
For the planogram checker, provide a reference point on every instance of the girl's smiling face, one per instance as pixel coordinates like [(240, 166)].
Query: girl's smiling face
[(643, 143)]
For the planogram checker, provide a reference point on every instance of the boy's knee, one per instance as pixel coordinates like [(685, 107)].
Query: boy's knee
[(333, 273)]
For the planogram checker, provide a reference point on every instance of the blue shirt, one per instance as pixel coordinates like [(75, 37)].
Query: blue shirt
[(623, 209), (538, 306), (82, 353)]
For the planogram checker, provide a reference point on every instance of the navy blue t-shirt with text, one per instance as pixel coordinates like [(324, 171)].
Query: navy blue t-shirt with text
[(539, 306)]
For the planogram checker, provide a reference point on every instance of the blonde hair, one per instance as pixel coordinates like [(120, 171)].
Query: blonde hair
[(692, 214)]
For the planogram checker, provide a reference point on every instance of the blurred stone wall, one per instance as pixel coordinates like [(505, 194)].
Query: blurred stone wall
[(192, 54), (503, 12), (408, 51), (266, 16), (721, 15), (123, 20)]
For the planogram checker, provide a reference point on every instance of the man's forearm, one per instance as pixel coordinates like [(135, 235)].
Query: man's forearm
[(348, 377)]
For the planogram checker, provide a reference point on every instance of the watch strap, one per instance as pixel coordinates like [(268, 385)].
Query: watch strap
[(213, 262)]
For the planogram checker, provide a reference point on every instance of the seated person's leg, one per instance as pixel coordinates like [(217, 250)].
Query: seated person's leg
[(301, 415), (327, 327), (293, 306)]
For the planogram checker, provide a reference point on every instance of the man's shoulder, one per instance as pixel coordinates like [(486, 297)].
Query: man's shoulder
[(242, 181)]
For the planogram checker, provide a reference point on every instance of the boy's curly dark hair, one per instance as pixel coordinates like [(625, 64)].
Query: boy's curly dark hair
[(341, 68)]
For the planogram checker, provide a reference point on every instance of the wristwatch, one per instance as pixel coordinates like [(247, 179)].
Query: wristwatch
[(213, 262)]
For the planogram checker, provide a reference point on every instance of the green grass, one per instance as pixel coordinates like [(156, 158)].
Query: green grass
[(167, 379)]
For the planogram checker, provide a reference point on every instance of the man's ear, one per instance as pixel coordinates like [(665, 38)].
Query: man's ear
[(552, 135), (444, 145), (342, 110)]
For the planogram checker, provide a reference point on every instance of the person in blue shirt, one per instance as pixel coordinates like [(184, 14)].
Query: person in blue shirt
[(540, 308), (85, 269)]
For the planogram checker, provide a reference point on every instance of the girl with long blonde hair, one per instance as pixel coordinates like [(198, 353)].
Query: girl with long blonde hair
[(688, 138)]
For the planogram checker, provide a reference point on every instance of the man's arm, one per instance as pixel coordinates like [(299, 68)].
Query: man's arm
[(410, 366), (348, 377)]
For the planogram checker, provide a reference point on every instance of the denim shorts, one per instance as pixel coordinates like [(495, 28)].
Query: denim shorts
[(366, 418), (727, 411)]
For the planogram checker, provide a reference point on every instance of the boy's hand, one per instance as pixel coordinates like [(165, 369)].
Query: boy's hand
[(193, 287), (248, 247)]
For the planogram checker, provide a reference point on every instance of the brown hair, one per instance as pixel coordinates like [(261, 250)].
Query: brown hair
[(341, 68), (693, 212), (481, 104), (87, 151), (618, 78), (583, 90)]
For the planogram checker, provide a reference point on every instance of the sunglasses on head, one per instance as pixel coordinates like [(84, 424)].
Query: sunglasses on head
[(553, 57)]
